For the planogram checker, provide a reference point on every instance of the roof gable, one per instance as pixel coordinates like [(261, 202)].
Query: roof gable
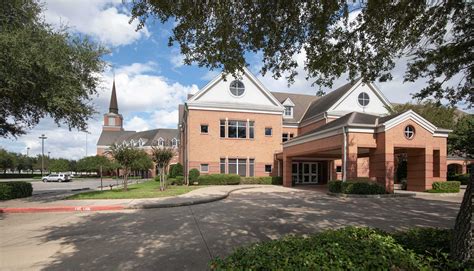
[(217, 94)]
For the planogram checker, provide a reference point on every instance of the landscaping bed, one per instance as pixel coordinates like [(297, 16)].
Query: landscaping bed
[(445, 187), (349, 248), (148, 189), (356, 187)]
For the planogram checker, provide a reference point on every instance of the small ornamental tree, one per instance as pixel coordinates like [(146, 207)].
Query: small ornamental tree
[(162, 156), (125, 156)]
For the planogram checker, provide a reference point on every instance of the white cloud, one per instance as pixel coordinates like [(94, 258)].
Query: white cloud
[(136, 124), (176, 58), (209, 75), (106, 20), (165, 119), (138, 68)]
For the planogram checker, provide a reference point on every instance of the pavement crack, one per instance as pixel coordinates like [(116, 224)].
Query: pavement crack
[(200, 232)]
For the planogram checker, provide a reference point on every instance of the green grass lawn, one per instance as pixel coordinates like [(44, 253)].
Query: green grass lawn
[(149, 189)]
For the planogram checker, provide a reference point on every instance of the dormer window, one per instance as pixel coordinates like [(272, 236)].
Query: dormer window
[(288, 111), (161, 142), (174, 142)]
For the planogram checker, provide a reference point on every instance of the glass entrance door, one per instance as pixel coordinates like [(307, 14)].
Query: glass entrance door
[(309, 173)]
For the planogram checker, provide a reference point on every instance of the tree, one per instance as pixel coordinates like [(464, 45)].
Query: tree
[(460, 141), (125, 156), (59, 165), (143, 162), (6, 160), (441, 116), (94, 164), (44, 72), (162, 157), (358, 38)]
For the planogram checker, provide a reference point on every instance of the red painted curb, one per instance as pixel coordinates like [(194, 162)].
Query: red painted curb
[(62, 209)]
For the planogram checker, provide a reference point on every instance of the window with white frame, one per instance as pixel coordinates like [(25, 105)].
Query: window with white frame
[(363, 99), (237, 88), (268, 131), (268, 168), (284, 137), (204, 168), (237, 166), (251, 167), (222, 165), (409, 132), (111, 121), (161, 142), (174, 143), (288, 111), (237, 129), (204, 128)]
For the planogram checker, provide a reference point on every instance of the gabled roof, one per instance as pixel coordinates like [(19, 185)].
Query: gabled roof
[(108, 138), (301, 102), (351, 119), (325, 102)]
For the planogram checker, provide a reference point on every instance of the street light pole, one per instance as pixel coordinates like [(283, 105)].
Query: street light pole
[(42, 137), (27, 151)]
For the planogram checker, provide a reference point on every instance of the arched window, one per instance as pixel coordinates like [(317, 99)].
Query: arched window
[(237, 88), (161, 142), (409, 132), (174, 142), (363, 99)]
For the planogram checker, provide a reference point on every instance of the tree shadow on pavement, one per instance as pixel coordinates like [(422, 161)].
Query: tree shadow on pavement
[(185, 238)]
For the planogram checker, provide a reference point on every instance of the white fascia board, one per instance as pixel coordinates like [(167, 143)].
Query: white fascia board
[(366, 130), (246, 110), (410, 114), (206, 87), (263, 88), (314, 136), (288, 102), (379, 93), (345, 95)]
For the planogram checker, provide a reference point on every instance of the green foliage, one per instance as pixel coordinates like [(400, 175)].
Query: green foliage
[(462, 178), (441, 116), (7, 160), (262, 180), (142, 162), (93, 164), (445, 187), (59, 165), (19, 176), (44, 71), (193, 175), (350, 248), (335, 40), (460, 141), (219, 179), (179, 180), (13, 190), (356, 187), (176, 170), (126, 157)]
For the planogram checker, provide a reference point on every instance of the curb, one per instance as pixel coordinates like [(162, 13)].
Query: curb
[(184, 203), (380, 196), (61, 209)]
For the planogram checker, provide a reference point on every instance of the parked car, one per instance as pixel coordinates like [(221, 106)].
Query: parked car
[(60, 177)]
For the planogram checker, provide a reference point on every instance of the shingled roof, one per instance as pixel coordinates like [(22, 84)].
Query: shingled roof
[(108, 138), (325, 102), (301, 101), (113, 107)]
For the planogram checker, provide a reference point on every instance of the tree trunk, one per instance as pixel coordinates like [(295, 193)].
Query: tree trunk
[(125, 180), (462, 245)]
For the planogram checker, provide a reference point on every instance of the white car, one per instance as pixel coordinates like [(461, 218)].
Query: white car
[(60, 177)]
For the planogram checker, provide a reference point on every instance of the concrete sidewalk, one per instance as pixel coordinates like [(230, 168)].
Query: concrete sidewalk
[(198, 196)]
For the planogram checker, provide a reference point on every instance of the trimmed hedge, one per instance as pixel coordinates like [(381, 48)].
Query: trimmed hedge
[(193, 175), (462, 178), (176, 170), (179, 180), (219, 179), (355, 187), (14, 190), (262, 180), (446, 187), (350, 248)]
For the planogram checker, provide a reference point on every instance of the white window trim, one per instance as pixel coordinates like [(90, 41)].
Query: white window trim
[(204, 171), (291, 112), (271, 131), (265, 168)]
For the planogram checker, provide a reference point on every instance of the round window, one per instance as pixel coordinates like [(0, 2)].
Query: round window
[(237, 88), (364, 99), (409, 132)]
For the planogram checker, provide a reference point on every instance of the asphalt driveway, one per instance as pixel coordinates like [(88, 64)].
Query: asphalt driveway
[(186, 238)]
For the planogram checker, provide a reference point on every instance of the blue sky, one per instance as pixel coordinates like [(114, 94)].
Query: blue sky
[(151, 79)]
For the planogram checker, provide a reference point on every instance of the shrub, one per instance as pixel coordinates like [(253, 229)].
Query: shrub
[(176, 170), (462, 178), (445, 187), (335, 186), (356, 187), (262, 180), (219, 179), (19, 175), (14, 190), (193, 175), (350, 248), (179, 180)]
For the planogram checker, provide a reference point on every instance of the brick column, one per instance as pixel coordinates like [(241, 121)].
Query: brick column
[(420, 169), (287, 178), (351, 166), (382, 167)]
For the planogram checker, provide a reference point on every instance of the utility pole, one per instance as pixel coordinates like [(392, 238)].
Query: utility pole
[(42, 137), (27, 151)]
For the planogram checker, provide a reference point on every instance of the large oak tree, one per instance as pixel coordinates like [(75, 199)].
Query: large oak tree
[(358, 38), (43, 72)]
